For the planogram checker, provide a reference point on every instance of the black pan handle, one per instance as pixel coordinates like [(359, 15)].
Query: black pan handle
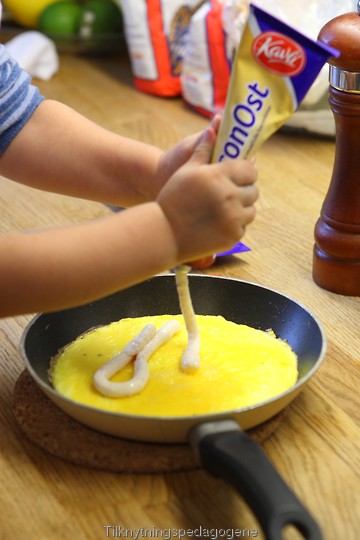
[(227, 452)]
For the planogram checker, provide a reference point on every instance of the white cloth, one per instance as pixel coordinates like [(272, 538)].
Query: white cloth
[(35, 53)]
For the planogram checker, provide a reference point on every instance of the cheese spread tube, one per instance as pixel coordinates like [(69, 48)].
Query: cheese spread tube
[(273, 69)]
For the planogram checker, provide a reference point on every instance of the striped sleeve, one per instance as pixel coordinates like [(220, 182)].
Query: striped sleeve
[(18, 98)]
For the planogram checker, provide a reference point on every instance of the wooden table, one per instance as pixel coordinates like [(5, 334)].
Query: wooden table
[(316, 448)]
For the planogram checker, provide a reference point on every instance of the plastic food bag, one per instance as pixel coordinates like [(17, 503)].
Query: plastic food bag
[(156, 34), (214, 34), (206, 66), (273, 69), (314, 114)]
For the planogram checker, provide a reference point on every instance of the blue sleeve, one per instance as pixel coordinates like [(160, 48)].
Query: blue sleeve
[(18, 98)]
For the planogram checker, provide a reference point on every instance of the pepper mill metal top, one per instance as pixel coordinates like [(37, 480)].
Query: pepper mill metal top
[(343, 34)]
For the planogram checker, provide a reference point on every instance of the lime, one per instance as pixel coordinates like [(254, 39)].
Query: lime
[(102, 16), (61, 18)]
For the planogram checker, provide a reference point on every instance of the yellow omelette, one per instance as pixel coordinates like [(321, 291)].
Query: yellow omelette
[(240, 366)]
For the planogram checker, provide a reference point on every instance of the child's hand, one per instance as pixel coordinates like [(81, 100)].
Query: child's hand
[(208, 205), (171, 160), (179, 154)]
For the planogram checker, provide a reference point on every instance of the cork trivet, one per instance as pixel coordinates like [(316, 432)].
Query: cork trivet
[(60, 435)]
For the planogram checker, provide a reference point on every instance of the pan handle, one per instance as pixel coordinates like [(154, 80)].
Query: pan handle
[(227, 452)]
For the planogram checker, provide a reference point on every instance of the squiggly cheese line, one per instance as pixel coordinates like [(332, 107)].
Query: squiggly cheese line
[(142, 346), (191, 358)]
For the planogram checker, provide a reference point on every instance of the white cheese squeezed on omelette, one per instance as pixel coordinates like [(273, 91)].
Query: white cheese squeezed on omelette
[(240, 366)]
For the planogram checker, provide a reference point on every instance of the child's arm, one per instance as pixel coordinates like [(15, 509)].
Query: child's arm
[(202, 209), (64, 152)]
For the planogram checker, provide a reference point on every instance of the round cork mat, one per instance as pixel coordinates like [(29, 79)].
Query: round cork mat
[(60, 435)]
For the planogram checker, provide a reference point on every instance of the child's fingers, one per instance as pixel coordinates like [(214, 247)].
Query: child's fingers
[(203, 150), (248, 194), (215, 123), (241, 172), (205, 144)]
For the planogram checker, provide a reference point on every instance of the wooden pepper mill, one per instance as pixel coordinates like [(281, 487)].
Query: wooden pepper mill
[(336, 262)]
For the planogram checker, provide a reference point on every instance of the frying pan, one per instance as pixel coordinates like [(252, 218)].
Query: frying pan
[(223, 447)]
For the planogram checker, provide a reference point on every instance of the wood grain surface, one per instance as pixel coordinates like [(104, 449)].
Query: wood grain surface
[(316, 448)]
